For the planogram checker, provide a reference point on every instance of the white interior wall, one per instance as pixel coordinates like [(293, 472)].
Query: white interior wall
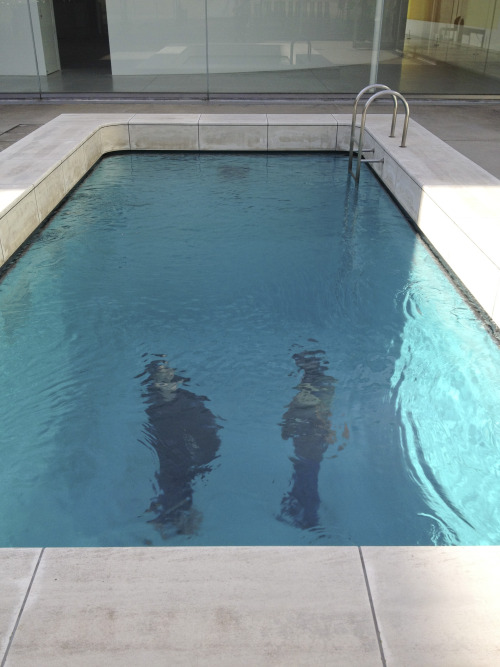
[(44, 33), (154, 37), (17, 56), (169, 37), (21, 24)]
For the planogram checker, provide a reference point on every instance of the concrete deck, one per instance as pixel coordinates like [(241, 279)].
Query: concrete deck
[(253, 606), (473, 129)]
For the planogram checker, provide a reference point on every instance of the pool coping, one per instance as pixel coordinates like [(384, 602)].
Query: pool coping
[(250, 606), (453, 202), (222, 605)]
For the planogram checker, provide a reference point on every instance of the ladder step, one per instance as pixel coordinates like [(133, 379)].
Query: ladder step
[(365, 150), (383, 91)]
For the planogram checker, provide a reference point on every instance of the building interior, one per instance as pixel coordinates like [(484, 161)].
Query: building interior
[(209, 48)]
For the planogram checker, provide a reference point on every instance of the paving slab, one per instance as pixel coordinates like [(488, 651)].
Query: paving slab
[(197, 606), (458, 122), (484, 153), (16, 571), (437, 606), (471, 128)]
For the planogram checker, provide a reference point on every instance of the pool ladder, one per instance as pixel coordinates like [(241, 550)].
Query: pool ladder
[(383, 91)]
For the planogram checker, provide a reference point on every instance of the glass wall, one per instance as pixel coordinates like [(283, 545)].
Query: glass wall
[(454, 44), (204, 48)]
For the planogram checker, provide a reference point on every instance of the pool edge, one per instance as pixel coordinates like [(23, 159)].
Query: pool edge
[(452, 201)]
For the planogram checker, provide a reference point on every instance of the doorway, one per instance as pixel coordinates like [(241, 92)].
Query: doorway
[(82, 34)]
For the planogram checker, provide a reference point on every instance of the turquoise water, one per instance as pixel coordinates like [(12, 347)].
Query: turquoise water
[(226, 349)]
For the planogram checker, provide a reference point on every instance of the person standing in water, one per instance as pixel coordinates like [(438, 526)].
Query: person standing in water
[(184, 434), (307, 422)]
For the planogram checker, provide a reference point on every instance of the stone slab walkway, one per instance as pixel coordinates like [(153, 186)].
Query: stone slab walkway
[(251, 606)]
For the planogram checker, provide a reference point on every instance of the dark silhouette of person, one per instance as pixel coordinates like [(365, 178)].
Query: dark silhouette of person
[(307, 422), (184, 434)]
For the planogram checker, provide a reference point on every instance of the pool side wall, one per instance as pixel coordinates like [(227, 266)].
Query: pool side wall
[(452, 201)]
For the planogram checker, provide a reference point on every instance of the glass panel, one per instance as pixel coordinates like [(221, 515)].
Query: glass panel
[(452, 47), (82, 43), (18, 63), (492, 60), (392, 43), (289, 46), (269, 47), (158, 45), (130, 46)]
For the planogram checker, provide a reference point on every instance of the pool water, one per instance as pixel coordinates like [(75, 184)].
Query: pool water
[(229, 349)]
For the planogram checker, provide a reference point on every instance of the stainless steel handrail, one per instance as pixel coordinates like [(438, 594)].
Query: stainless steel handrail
[(355, 114), (385, 92)]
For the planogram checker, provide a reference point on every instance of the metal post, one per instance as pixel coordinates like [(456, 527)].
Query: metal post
[(377, 34)]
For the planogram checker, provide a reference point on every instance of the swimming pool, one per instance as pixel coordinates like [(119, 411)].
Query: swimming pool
[(309, 320)]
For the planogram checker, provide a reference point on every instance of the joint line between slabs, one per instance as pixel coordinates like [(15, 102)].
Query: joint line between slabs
[(18, 620), (372, 607)]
